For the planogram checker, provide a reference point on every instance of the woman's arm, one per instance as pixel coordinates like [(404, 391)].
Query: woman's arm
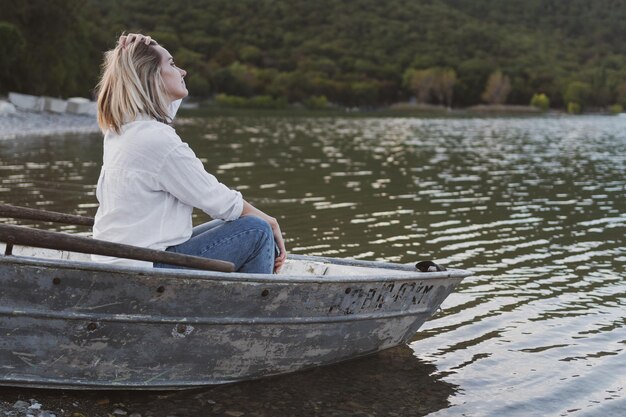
[(183, 175), (250, 210)]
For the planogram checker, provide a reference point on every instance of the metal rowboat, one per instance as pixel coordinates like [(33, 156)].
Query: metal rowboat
[(66, 322)]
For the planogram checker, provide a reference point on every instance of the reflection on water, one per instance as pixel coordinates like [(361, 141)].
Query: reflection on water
[(392, 383), (535, 206)]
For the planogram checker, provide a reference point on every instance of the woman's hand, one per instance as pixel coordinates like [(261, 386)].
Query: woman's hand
[(278, 238), (250, 210), (126, 40)]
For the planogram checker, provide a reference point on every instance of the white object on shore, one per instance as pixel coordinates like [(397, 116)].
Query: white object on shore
[(6, 108), (190, 105), (26, 102), (80, 105), (54, 105)]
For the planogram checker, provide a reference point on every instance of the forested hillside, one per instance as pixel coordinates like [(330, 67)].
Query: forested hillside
[(353, 53)]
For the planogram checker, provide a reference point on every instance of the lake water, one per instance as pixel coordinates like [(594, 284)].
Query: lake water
[(536, 207)]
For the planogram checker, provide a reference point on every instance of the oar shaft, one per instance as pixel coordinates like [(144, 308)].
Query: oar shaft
[(27, 213), (20, 235)]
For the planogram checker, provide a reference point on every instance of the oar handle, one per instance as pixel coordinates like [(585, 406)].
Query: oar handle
[(20, 235), (27, 213)]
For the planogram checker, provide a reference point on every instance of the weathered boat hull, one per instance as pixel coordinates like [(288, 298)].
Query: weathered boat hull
[(83, 325)]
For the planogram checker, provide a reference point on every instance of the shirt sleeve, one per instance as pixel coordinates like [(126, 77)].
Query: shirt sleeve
[(183, 175)]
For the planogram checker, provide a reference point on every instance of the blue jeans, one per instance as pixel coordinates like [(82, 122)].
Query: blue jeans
[(247, 242)]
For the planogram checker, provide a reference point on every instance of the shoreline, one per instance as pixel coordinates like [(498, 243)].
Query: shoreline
[(24, 123)]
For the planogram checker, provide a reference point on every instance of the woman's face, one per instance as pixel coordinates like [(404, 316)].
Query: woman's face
[(172, 76)]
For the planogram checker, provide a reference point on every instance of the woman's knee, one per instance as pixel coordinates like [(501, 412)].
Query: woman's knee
[(256, 223)]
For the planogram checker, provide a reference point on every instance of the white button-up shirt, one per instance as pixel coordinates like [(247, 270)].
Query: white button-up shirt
[(149, 184)]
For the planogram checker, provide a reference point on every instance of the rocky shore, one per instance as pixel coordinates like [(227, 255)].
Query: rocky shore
[(20, 408), (22, 123)]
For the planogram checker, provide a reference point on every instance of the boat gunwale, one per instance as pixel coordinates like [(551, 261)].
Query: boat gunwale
[(410, 273)]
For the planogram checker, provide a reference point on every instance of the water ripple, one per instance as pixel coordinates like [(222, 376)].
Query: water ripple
[(535, 206)]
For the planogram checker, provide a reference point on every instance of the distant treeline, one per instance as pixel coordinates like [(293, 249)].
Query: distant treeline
[(364, 53)]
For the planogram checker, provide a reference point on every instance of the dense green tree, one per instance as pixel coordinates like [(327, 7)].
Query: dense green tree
[(357, 53), (57, 55), (444, 85), (420, 82), (541, 101), (578, 92), (431, 85), (11, 45), (473, 75), (497, 89)]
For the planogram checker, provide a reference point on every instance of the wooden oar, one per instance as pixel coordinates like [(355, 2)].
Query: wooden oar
[(20, 235), (27, 213)]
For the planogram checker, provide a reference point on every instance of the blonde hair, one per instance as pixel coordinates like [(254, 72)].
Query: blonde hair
[(131, 86)]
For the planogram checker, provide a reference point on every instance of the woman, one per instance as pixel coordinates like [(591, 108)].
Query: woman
[(151, 180)]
